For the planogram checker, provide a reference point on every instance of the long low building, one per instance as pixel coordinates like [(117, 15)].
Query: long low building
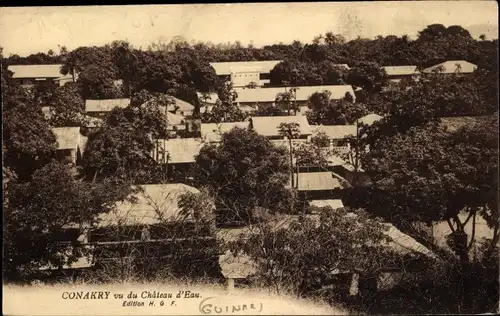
[(243, 73), (29, 75), (267, 96)]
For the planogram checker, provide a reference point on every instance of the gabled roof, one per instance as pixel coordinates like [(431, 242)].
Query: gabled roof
[(318, 181), (158, 202), (226, 68), (370, 119), (211, 98), (212, 132), (37, 71), (334, 204), (67, 137), (178, 150), (175, 119), (105, 105), (453, 66), (183, 105), (452, 124), (400, 70), (335, 131), (302, 94), (268, 125)]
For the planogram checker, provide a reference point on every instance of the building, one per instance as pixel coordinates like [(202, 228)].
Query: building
[(29, 75), (101, 108), (267, 96), (452, 67), (179, 154), (70, 144), (243, 73), (268, 126), (397, 74), (319, 185), (336, 134), (369, 119), (180, 107), (212, 132)]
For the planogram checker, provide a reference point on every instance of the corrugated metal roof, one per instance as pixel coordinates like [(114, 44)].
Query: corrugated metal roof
[(268, 125), (451, 66), (67, 137), (158, 202), (334, 204), (226, 68), (335, 131), (105, 105), (37, 71), (400, 70), (179, 150), (212, 132), (452, 124), (318, 181), (302, 94), (370, 119)]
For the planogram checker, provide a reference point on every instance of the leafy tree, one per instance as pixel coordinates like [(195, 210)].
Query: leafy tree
[(427, 175), (225, 108), (67, 107), (300, 254), (122, 147), (38, 210), (286, 100), (368, 76), (333, 112), (28, 141), (97, 82), (245, 171), (125, 60)]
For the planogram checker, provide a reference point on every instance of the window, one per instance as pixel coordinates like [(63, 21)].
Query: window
[(264, 76)]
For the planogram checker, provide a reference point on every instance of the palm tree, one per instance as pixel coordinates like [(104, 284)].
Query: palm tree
[(70, 65), (126, 61), (290, 131)]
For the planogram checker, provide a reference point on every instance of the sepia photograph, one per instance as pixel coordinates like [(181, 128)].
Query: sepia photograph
[(303, 158)]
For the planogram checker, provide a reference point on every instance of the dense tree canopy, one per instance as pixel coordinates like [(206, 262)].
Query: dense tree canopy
[(245, 171)]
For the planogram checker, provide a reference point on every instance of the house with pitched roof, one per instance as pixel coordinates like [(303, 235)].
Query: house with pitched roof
[(369, 119), (70, 144), (397, 74), (267, 96), (156, 207), (243, 73), (29, 75), (101, 108), (452, 67), (268, 126), (212, 132), (179, 154)]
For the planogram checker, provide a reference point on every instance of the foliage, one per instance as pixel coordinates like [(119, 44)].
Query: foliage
[(426, 174), (225, 108), (243, 172), (326, 111), (367, 75), (40, 208), (28, 141), (123, 146), (67, 107), (303, 252), (97, 82)]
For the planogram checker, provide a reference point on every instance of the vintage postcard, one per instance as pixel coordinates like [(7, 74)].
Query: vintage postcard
[(326, 158)]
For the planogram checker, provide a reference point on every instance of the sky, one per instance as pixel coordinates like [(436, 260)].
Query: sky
[(27, 30)]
